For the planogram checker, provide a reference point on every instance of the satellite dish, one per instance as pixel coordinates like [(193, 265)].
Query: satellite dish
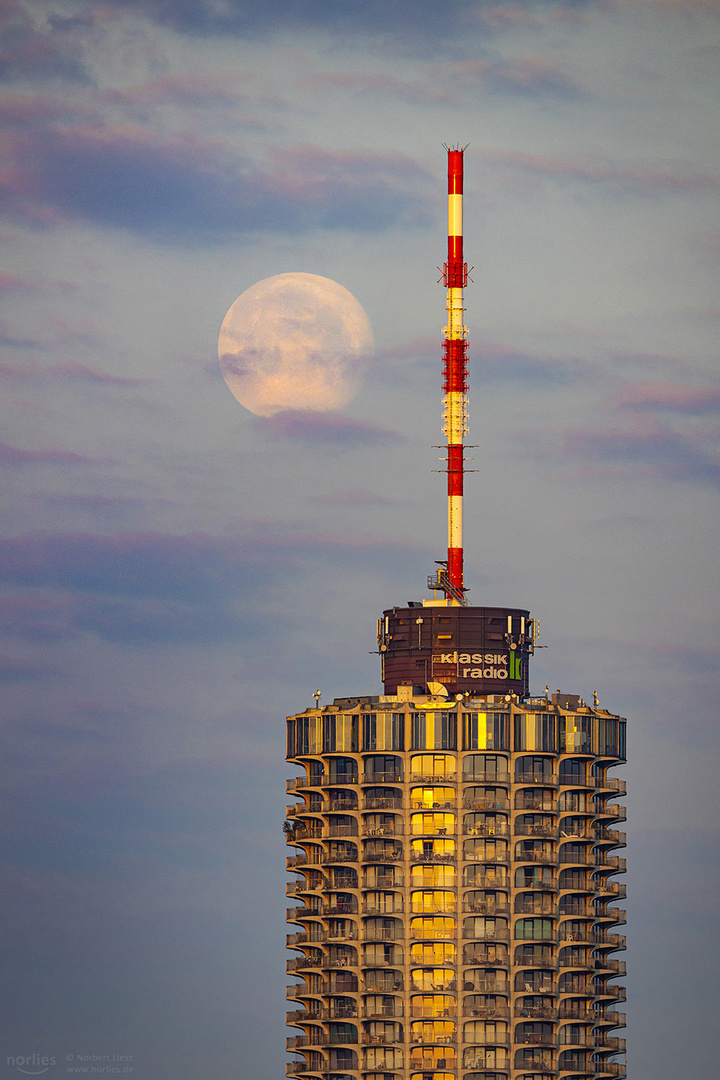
[(437, 689)]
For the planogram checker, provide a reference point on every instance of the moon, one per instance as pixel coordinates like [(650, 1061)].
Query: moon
[(294, 341)]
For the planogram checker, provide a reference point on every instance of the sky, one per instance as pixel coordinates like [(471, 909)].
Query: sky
[(177, 575)]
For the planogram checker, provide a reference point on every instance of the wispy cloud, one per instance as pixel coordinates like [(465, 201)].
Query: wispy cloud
[(323, 429), (187, 187), (660, 453), (16, 456), (625, 178), (670, 397)]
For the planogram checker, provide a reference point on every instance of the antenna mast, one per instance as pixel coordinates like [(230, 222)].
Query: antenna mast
[(449, 579)]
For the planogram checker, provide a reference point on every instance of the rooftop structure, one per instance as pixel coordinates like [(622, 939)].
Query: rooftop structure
[(454, 843)]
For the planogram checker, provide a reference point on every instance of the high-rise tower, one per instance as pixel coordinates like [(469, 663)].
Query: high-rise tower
[(454, 838)]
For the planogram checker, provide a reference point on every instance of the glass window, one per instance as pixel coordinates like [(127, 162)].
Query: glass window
[(578, 734), (429, 798), (434, 731), (572, 772), (383, 731), (304, 735), (431, 876), (536, 731), (536, 929), (340, 734), (485, 731), (381, 767), (485, 767), (433, 765)]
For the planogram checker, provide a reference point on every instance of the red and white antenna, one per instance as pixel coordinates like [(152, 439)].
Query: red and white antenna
[(455, 411)]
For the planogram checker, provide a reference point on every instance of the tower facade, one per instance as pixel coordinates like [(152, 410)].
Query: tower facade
[(455, 849)]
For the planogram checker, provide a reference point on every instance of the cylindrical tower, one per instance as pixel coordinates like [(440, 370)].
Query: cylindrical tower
[(454, 893), (454, 845)]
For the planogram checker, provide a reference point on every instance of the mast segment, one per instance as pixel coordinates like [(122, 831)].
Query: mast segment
[(450, 578)]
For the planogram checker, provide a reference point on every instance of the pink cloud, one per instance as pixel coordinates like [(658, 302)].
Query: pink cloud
[(670, 397), (325, 428), (15, 456), (633, 178)]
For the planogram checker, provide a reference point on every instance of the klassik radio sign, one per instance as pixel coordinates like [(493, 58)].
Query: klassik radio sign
[(482, 665)]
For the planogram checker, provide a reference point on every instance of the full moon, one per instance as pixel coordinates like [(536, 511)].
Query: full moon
[(293, 341)]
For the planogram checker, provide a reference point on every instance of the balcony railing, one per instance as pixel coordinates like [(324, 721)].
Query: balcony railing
[(486, 935), (535, 830), (383, 934), (486, 804), (614, 810), (618, 967), (486, 908), (421, 856), (433, 778), (384, 1012), (535, 1038), (540, 781), (546, 857), (613, 861), (376, 802), (443, 1040), (535, 1012), (610, 1068), (372, 909), (381, 1039), (485, 830), (381, 778), (486, 1012)]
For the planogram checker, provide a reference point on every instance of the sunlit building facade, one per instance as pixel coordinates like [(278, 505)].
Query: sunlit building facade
[(455, 885)]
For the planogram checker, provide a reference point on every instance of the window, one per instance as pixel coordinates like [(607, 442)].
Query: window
[(534, 929), (485, 767), (578, 734), (381, 767), (383, 731), (340, 733), (434, 731), (536, 731), (485, 731)]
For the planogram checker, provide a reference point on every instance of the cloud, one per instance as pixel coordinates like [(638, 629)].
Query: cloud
[(460, 80), (325, 429), (632, 178), (187, 188), (664, 454), (31, 50), (70, 372), (15, 456), (161, 588), (494, 362), (670, 398)]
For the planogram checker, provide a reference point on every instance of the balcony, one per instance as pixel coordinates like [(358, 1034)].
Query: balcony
[(611, 1043), (385, 1012), (613, 941), (480, 908), (444, 1040), (297, 914), (612, 1019), (612, 836), (571, 1010), (535, 1012), (383, 934), (618, 967), (381, 778), (584, 1038), (582, 962), (610, 1068), (613, 916), (333, 830), (383, 857), (613, 992), (485, 830), (611, 888), (299, 1042), (383, 830), (340, 909), (383, 1039), (535, 1038), (535, 830), (430, 778), (486, 1012), (536, 781), (547, 962), (614, 862), (487, 935), (486, 803), (372, 909), (432, 857), (577, 858), (545, 857), (613, 810)]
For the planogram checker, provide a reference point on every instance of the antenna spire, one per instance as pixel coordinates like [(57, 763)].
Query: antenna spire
[(450, 578)]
